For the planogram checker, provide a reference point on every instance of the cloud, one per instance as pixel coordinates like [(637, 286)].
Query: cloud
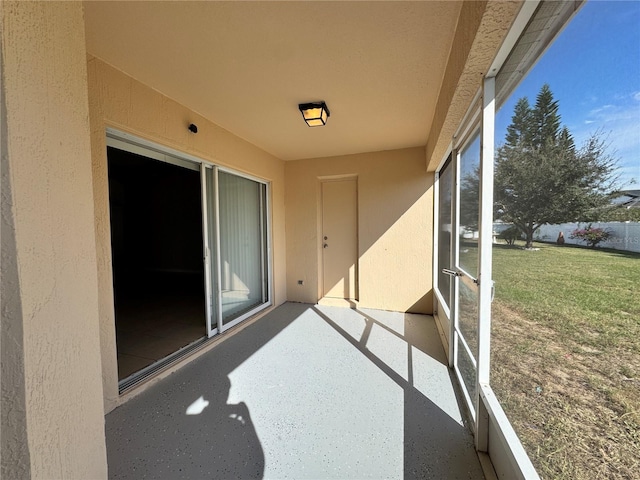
[(620, 127), (589, 100), (615, 116), (602, 111), (618, 124)]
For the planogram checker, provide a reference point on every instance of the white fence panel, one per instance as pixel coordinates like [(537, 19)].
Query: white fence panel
[(624, 235)]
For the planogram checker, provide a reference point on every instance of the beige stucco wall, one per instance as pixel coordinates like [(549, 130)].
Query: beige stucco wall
[(481, 29), (54, 296), (395, 217), (119, 101)]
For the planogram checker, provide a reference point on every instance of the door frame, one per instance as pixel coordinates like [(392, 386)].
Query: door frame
[(479, 119), (319, 233), (470, 129), (442, 300), (471, 133), (210, 242), (265, 226)]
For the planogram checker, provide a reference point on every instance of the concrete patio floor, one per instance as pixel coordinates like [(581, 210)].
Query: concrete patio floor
[(306, 392)]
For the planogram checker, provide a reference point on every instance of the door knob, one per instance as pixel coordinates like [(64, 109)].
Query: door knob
[(325, 246)]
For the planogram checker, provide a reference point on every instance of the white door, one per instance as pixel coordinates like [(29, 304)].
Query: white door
[(340, 238)]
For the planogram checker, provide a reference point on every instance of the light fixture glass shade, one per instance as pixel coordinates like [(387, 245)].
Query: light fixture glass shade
[(315, 114)]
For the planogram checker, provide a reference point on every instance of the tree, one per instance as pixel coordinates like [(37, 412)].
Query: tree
[(470, 199), (620, 214), (540, 175)]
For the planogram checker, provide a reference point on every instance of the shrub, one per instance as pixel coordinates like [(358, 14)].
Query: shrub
[(592, 236), (510, 235)]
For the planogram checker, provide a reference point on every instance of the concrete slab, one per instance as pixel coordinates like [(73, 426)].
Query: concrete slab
[(307, 392)]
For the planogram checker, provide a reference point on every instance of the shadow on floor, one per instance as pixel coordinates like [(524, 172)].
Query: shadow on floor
[(315, 392)]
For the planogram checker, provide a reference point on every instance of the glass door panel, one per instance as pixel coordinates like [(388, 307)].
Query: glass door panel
[(466, 369), (469, 206), (443, 261), (241, 233), (466, 268), (468, 313), (445, 190)]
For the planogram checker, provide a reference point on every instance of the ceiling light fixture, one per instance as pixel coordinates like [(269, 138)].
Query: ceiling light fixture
[(315, 114)]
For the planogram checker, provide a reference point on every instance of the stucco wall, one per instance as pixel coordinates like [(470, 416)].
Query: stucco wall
[(14, 444), (47, 162), (395, 217), (481, 29), (119, 101)]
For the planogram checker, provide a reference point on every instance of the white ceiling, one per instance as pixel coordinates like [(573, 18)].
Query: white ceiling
[(247, 65)]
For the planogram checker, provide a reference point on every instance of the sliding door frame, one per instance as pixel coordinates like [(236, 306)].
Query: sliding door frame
[(265, 228), (210, 236), (208, 266)]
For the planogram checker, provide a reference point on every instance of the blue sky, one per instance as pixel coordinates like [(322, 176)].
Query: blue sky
[(593, 69)]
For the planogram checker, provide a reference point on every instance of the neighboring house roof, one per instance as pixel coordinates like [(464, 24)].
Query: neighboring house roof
[(630, 198)]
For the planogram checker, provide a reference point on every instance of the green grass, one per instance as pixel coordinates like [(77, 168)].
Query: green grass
[(566, 357), (594, 294)]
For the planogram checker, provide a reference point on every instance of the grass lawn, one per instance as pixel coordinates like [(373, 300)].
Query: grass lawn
[(566, 357)]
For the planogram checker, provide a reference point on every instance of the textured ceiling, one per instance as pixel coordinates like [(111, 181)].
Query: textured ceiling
[(247, 65)]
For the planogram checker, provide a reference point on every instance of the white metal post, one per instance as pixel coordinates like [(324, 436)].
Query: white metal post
[(206, 251), (216, 197), (436, 233), (485, 278), (455, 246)]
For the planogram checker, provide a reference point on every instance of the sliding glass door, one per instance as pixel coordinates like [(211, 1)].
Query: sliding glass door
[(242, 221), (223, 212)]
